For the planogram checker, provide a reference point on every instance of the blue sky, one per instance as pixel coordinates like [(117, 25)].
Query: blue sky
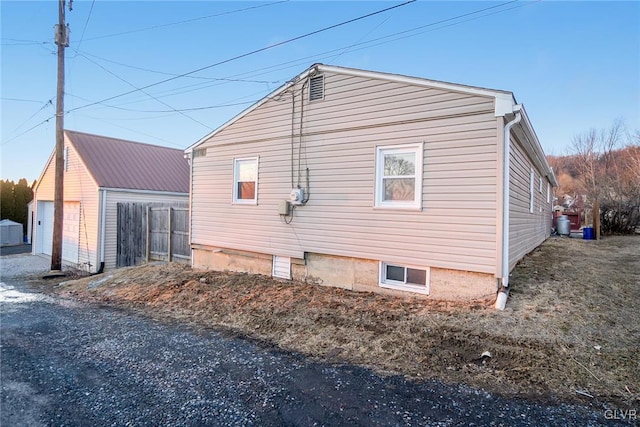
[(574, 65)]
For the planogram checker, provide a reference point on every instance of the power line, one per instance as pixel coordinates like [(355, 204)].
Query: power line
[(20, 40), (146, 93), (253, 52), (85, 54), (21, 100), (45, 105), (27, 131), (133, 130), (364, 45), (368, 44), (86, 23), (208, 107), (186, 20)]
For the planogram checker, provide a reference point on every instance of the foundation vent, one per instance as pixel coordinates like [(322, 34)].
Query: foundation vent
[(282, 267)]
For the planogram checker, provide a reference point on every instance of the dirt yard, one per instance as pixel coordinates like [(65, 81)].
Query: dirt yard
[(571, 330)]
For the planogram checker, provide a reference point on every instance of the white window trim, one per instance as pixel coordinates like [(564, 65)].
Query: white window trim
[(548, 193), (237, 201), (403, 286), (416, 204), (540, 187), (531, 191)]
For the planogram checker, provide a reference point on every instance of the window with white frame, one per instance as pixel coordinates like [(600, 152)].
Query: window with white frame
[(245, 181), (540, 186), (531, 191), (404, 278), (399, 176), (548, 193)]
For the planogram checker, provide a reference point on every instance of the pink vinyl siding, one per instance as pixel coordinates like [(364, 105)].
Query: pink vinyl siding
[(78, 187), (456, 227)]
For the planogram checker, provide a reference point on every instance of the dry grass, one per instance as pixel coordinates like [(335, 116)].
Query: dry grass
[(572, 322)]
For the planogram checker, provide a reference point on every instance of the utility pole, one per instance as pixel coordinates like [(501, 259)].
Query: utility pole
[(62, 40)]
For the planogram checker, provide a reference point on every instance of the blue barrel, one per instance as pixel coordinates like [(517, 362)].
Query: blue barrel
[(587, 233)]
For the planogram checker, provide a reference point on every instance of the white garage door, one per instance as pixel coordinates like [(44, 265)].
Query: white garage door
[(45, 227), (70, 230)]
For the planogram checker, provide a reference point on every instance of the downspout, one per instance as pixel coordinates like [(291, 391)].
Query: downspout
[(501, 300), (189, 157), (103, 227)]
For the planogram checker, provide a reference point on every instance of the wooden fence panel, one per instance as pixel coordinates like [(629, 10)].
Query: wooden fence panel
[(131, 235), (158, 234), (152, 231), (180, 246)]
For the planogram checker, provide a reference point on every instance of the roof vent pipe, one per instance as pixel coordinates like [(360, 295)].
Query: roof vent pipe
[(505, 205)]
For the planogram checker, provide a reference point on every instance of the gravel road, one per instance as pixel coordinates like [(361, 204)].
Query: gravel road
[(71, 364)]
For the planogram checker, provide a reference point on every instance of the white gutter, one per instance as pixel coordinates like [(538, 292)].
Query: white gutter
[(501, 301), (131, 190)]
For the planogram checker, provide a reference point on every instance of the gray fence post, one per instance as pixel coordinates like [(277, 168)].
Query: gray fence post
[(148, 233), (169, 227)]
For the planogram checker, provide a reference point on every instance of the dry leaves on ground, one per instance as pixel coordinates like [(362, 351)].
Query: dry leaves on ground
[(571, 327)]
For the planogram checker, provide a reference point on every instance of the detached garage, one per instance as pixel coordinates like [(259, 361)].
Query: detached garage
[(99, 173), (10, 233)]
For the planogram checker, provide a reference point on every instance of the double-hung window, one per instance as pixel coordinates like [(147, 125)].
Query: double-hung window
[(245, 181), (399, 176)]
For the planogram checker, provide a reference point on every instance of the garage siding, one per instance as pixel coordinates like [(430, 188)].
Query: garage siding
[(80, 188)]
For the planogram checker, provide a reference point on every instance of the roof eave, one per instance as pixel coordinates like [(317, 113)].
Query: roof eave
[(534, 143), (505, 101)]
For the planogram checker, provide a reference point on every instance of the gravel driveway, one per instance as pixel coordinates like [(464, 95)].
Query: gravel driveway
[(65, 363), (23, 265)]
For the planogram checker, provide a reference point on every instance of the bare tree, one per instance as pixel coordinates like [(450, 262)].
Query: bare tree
[(609, 172)]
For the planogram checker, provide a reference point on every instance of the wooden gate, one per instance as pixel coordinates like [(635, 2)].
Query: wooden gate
[(152, 232)]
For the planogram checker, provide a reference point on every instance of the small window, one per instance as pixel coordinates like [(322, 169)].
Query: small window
[(531, 191), (399, 176), (404, 278), (316, 88), (548, 193), (540, 186), (245, 181)]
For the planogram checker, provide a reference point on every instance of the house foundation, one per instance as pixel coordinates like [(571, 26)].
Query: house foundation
[(348, 273)]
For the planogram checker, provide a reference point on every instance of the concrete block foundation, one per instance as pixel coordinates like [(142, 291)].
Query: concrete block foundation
[(348, 273)]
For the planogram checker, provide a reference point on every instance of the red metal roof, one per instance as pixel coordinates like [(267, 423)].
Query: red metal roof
[(117, 163)]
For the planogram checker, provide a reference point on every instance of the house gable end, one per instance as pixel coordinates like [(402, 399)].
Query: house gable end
[(503, 104)]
